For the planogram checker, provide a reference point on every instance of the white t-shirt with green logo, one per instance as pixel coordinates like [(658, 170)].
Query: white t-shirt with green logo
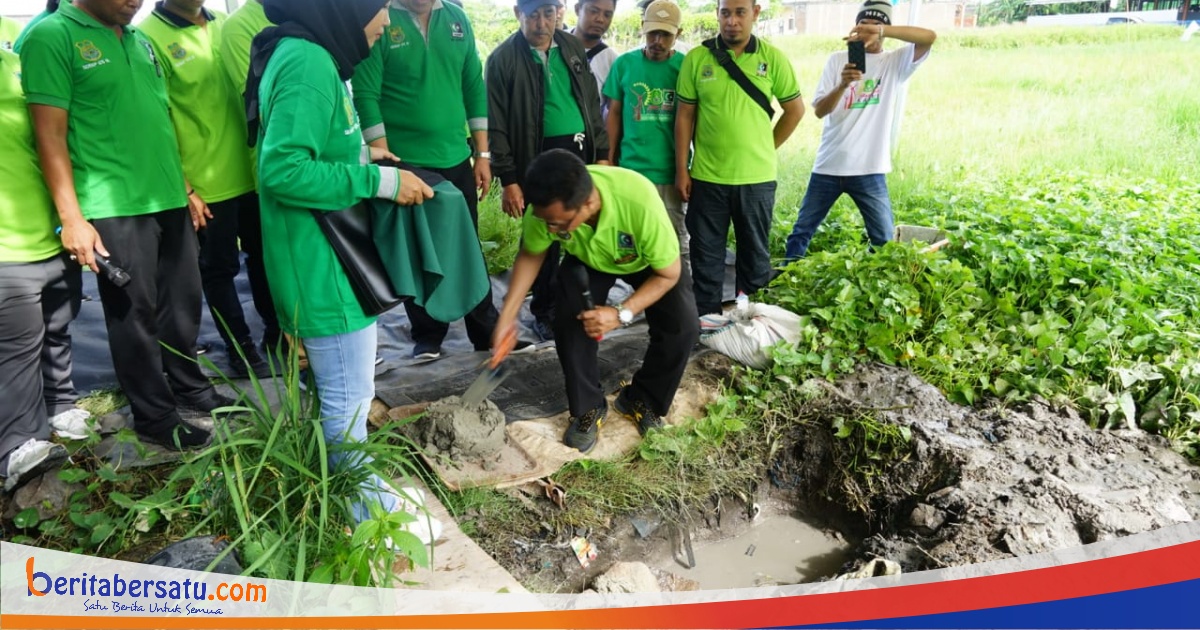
[(857, 136)]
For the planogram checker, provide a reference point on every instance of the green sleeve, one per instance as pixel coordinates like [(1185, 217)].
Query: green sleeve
[(235, 53), (474, 91), (783, 80), (46, 68), (612, 85), (536, 239), (297, 128), (20, 41), (368, 90), (657, 235), (685, 89)]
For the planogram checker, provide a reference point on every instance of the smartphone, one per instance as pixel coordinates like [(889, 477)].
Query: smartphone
[(858, 55)]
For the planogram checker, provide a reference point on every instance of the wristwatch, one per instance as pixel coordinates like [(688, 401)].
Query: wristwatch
[(486, 155), (624, 315)]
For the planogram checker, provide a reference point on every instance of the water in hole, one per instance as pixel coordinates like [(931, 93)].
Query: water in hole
[(786, 550)]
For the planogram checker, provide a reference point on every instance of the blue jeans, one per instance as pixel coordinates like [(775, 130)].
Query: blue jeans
[(344, 369), (870, 194)]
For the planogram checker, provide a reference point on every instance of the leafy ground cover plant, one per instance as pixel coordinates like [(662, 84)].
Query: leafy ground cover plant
[(1078, 288)]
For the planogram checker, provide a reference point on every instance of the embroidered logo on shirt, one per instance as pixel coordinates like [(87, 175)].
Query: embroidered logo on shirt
[(177, 51), (706, 72), (626, 248), (762, 69), (88, 50), (396, 36), (456, 30)]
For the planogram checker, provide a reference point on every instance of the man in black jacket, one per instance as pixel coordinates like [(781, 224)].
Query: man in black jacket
[(541, 95)]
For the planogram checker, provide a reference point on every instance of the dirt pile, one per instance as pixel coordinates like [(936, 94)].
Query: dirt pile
[(975, 485), (461, 433)]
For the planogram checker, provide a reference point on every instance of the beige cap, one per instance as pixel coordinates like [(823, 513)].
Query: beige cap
[(662, 15)]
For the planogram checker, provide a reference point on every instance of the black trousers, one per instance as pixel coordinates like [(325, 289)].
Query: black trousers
[(711, 209), (482, 319), (159, 310), (38, 302), (221, 260), (542, 304), (674, 329)]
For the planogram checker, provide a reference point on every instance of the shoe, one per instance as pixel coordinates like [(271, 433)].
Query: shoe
[(254, 362), (523, 347), (216, 401), (639, 412), (583, 433), (178, 437), (73, 424), (424, 351), (426, 528), (543, 330), (31, 459), (203, 348)]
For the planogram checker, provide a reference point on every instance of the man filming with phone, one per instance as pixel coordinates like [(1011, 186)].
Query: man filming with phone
[(858, 105)]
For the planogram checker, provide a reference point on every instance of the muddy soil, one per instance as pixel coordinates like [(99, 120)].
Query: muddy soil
[(995, 483), (462, 433), (968, 485)]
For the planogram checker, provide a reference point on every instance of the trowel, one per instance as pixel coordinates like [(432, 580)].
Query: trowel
[(494, 372)]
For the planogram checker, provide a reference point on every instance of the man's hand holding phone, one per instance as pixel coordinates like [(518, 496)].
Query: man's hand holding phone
[(850, 74)]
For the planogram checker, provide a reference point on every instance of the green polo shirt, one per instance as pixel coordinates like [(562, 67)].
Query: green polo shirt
[(33, 21), (734, 140), (562, 115), (122, 144), (10, 31), (236, 35), (27, 217), (208, 116), (309, 155), (646, 90), (419, 90), (632, 233)]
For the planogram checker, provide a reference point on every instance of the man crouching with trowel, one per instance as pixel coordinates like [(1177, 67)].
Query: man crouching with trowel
[(612, 224)]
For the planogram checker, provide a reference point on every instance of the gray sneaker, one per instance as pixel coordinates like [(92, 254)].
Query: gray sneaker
[(583, 433), (31, 459)]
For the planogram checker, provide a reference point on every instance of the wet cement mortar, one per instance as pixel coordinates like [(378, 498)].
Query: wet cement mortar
[(461, 433), (971, 485)]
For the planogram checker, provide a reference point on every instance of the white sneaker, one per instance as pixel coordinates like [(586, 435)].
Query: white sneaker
[(31, 459), (73, 424), (426, 528)]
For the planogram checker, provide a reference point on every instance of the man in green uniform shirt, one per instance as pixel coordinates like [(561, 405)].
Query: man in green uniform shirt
[(612, 226), (209, 120), (541, 95), (422, 84), (239, 30), (731, 177), (111, 161), (641, 116), (39, 297)]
